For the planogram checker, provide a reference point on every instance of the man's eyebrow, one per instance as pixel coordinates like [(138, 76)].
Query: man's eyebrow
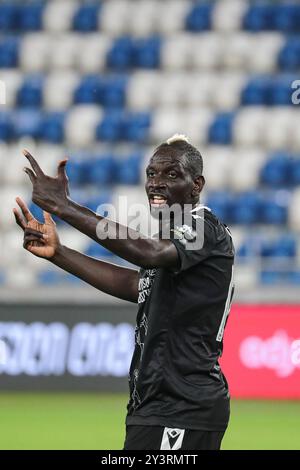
[(174, 165)]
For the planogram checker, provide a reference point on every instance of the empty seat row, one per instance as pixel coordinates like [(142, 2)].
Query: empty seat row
[(284, 247), (251, 207), (148, 90), (262, 52), (197, 17), (84, 124)]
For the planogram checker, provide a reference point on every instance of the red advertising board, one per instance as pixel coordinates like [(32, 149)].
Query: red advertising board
[(262, 351)]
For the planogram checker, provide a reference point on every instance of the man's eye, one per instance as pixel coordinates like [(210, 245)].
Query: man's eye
[(150, 174), (172, 174)]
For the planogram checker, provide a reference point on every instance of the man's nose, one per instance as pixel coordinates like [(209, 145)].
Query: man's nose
[(157, 183)]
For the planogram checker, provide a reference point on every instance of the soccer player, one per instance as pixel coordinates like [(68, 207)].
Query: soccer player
[(178, 394)]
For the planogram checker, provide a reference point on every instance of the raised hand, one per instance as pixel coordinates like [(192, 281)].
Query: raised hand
[(40, 239), (51, 194)]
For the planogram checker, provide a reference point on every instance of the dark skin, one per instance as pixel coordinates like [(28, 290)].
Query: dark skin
[(166, 175)]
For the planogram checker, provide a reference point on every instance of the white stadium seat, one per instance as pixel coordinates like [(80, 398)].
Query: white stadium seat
[(143, 19), (115, 17), (238, 48), (250, 125), (172, 14), (176, 52), (199, 88), (227, 90), (228, 15), (195, 123), (12, 80), (143, 90), (65, 51), (217, 166), (35, 52), (92, 52), (81, 125), (59, 89), (265, 50), (278, 131), (245, 169), (59, 14), (207, 51)]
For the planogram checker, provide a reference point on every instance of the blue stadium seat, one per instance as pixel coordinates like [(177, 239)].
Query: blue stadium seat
[(70, 278), (259, 17), (120, 56), (127, 169), (52, 127), (256, 92), (31, 92), (276, 171), (101, 170), (289, 56), (6, 126), (136, 127), (280, 91), (36, 211), (9, 51), (272, 212), (86, 17), (96, 201), (98, 251), (294, 171), (8, 16), (245, 208), (200, 17), (78, 171), (287, 18), (220, 131), (146, 53), (30, 16), (250, 249), (111, 127), (220, 203), (283, 247), (27, 123), (48, 277), (293, 277), (89, 90), (271, 277), (113, 91)]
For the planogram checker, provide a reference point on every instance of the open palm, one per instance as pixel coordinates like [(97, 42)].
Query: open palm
[(40, 239)]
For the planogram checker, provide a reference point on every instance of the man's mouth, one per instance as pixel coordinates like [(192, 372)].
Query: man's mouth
[(157, 201)]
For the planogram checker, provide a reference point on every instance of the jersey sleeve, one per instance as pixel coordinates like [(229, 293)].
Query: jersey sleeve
[(194, 244)]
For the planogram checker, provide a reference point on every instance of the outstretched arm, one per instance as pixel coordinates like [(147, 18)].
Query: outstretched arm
[(109, 278), (42, 240), (51, 194)]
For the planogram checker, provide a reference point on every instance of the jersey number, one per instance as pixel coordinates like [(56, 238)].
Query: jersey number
[(226, 310)]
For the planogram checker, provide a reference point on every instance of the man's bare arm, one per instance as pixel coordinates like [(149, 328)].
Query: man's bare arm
[(107, 277), (52, 195), (42, 240)]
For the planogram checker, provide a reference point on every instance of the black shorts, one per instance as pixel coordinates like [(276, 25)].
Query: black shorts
[(160, 438)]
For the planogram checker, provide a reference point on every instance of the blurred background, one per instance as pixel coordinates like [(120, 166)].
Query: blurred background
[(104, 82)]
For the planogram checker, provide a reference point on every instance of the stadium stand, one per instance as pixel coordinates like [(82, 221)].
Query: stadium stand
[(82, 78)]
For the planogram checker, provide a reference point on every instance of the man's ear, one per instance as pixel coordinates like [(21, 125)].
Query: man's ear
[(199, 182)]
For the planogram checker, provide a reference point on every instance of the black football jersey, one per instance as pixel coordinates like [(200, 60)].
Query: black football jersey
[(175, 379)]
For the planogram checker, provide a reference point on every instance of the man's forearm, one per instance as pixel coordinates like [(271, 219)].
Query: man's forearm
[(119, 239), (109, 278)]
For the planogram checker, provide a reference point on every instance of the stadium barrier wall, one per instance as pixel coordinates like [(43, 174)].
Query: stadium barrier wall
[(82, 347)]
